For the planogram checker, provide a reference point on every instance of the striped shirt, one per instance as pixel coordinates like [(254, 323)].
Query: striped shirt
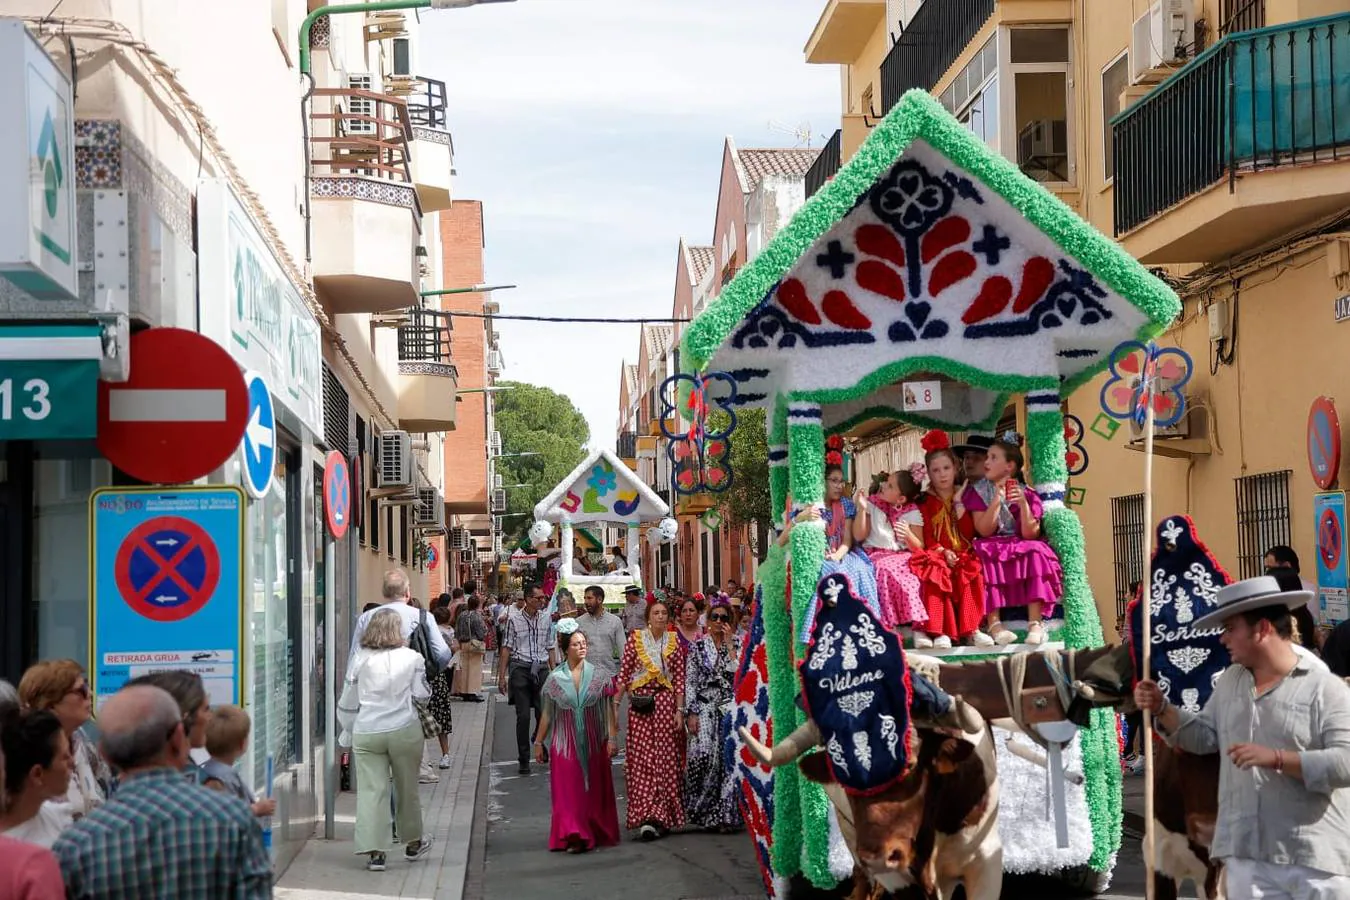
[(161, 838), (527, 637)]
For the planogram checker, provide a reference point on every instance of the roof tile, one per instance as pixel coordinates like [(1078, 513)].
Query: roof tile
[(759, 163)]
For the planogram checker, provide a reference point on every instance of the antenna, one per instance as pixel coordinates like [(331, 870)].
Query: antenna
[(801, 133)]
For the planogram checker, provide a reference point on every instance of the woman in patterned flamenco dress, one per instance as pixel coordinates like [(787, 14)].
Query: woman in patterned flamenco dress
[(888, 526), (1020, 569), (582, 734), (652, 673), (950, 572), (710, 792)]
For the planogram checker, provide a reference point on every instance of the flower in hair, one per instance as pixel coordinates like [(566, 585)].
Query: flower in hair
[(936, 439), (834, 458), (567, 626), (1011, 437), (919, 472), (834, 442)]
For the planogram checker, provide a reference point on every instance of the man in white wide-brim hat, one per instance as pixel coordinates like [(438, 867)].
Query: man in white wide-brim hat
[(1281, 722)]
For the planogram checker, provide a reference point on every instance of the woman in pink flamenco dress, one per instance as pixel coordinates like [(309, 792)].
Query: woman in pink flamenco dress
[(579, 724), (1020, 569), (888, 527)]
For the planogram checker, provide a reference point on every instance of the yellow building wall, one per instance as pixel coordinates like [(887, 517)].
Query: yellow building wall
[(1289, 352)]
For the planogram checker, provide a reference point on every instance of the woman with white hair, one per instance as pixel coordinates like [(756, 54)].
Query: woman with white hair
[(380, 723)]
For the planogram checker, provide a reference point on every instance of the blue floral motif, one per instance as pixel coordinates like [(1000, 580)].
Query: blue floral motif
[(768, 327), (910, 198), (602, 480)]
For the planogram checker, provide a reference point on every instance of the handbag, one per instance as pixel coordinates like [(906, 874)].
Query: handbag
[(642, 704), (477, 645), (430, 727)]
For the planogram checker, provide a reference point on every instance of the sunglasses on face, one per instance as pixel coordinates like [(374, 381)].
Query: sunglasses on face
[(81, 689), (718, 617)]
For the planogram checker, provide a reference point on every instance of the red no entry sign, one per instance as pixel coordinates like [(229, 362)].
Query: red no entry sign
[(182, 412), (1324, 442), (337, 495)]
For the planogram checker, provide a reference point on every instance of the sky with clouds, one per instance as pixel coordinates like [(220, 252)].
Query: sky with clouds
[(592, 131)]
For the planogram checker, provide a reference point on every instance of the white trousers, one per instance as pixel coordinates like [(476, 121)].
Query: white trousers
[(1250, 879)]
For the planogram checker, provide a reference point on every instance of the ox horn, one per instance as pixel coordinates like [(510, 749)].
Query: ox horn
[(786, 750)]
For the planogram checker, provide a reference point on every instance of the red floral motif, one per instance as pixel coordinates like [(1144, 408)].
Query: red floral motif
[(949, 266), (838, 308), (997, 291)]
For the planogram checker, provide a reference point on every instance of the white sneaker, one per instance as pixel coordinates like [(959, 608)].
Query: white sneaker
[(923, 642), (980, 639), (433, 778), (445, 761), (943, 642), (1035, 634)]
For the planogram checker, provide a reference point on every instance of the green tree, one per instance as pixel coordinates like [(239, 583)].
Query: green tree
[(748, 498), (537, 420)]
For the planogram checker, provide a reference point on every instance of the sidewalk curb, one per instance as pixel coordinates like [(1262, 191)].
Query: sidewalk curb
[(476, 868)]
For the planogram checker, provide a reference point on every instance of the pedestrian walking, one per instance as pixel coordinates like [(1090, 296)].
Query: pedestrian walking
[(194, 707), (471, 634), (604, 634), (227, 741), (441, 691), (381, 724), (634, 610), (652, 674), (687, 629), (1280, 721), (37, 754), (60, 687), (578, 727), (397, 593), (526, 661), (30, 872), (709, 794), (159, 836)]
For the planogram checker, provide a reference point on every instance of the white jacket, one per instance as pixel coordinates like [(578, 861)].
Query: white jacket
[(379, 690)]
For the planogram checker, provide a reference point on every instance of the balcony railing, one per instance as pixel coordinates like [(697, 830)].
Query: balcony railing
[(427, 106), (929, 45), (826, 164), (1242, 15), (359, 132), (627, 445), (426, 338), (1255, 100)]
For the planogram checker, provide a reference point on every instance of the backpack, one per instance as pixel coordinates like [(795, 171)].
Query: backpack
[(420, 640)]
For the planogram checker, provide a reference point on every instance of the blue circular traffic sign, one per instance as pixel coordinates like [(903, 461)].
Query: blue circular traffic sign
[(167, 568), (337, 494), (1324, 443), (259, 446)]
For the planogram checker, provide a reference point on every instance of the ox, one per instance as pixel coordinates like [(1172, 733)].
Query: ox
[(1185, 808), (935, 828)]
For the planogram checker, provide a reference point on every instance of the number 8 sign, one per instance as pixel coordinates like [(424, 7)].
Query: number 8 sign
[(921, 396)]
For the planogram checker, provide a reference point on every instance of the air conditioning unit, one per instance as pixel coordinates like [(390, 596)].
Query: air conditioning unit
[(360, 106), (430, 509), (381, 26), (497, 545), (495, 443), (1158, 38), (1181, 429), (459, 540), (496, 481), (494, 362), (396, 460), (499, 500), (491, 306), (497, 524)]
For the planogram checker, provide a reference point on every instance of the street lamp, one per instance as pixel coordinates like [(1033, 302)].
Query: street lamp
[(513, 455), (477, 289)]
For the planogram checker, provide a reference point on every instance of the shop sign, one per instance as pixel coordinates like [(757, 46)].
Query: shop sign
[(166, 579), (1343, 308), (248, 303), (1333, 575), (49, 382), (37, 177)]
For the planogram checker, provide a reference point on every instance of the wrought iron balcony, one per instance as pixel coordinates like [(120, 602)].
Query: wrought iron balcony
[(1254, 102), (427, 105), (426, 338), (826, 164), (627, 445), (1242, 15), (359, 132), (929, 45), (428, 379)]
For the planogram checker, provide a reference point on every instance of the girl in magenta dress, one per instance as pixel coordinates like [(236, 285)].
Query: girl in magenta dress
[(889, 527), (579, 725), (1020, 569)]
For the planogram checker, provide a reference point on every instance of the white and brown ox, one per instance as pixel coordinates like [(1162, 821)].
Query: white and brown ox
[(934, 829)]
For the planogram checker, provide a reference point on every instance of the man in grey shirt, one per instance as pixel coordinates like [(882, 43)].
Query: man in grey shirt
[(604, 633), (397, 592), (1281, 723)]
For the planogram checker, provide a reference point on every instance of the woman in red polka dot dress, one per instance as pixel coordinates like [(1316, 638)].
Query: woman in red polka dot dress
[(652, 673)]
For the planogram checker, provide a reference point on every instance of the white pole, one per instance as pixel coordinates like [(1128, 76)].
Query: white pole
[(1150, 842)]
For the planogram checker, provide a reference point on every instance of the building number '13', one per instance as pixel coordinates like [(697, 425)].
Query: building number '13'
[(33, 399)]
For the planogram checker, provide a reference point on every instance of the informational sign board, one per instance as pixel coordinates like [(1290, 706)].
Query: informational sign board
[(1333, 577), (166, 587), (922, 396)]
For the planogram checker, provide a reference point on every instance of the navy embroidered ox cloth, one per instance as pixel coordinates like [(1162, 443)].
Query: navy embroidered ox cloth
[(857, 690)]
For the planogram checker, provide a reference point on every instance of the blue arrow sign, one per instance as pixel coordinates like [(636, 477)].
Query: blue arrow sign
[(259, 447)]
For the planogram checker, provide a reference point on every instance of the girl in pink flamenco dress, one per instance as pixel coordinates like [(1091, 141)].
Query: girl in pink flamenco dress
[(888, 526)]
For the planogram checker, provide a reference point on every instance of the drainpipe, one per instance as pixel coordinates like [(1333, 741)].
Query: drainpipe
[(307, 75)]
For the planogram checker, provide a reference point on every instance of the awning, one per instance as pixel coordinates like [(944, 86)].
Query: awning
[(49, 381)]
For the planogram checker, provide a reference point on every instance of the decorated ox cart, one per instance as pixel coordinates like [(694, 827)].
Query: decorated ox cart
[(601, 489), (927, 258)]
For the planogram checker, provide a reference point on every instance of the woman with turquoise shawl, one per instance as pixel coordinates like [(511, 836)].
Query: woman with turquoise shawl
[(579, 724)]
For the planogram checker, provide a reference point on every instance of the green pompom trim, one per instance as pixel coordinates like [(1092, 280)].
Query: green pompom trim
[(1045, 435), (808, 555), (806, 461), (919, 116), (787, 818)]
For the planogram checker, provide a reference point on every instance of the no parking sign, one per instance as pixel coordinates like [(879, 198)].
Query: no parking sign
[(1333, 576)]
